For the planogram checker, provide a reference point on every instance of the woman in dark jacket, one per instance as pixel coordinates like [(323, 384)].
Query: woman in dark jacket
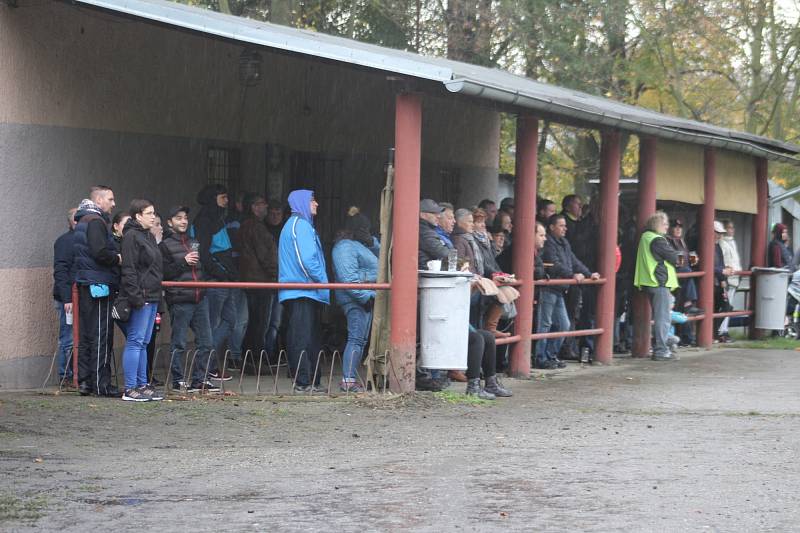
[(141, 284), (779, 255)]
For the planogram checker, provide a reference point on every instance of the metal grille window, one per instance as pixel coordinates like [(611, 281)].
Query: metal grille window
[(223, 168)]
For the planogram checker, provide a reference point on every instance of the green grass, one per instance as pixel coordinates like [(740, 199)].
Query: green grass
[(770, 343), (14, 508), (459, 398)]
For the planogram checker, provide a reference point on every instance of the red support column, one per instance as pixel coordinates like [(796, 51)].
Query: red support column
[(758, 238), (405, 242), (610, 160), (641, 311), (705, 328), (524, 248)]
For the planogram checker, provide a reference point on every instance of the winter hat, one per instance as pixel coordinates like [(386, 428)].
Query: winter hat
[(776, 230), (359, 226), (208, 194)]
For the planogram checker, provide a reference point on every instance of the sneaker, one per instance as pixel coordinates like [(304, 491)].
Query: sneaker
[(149, 392), (302, 388), (200, 386), (135, 395), (217, 376), (663, 357), (351, 386), (180, 385), (155, 382)]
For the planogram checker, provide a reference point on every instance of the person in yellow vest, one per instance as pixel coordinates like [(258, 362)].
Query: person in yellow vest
[(655, 274)]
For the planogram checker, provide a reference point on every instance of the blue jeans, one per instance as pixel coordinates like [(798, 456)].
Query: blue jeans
[(358, 323), (302, 338), (227, 313), (134, 357), (64, 342), (552, 316), (194, 316)]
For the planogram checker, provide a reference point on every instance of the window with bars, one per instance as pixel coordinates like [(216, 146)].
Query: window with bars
[(223, 168)]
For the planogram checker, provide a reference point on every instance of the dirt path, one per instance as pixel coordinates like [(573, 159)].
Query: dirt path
[(708, 443)]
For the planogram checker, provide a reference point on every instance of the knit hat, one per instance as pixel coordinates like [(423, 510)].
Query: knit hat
[(777, 229), (177, 209), (359, 226)]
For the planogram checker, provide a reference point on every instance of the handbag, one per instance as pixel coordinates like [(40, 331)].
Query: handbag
[(121, 309)]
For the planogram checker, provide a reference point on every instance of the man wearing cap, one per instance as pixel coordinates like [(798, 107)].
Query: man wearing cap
[(721, 273), (687, 297), (431, 244), (188, 307)]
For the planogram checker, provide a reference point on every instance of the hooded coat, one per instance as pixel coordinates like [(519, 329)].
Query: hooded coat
[(300, 255), (216, 250)]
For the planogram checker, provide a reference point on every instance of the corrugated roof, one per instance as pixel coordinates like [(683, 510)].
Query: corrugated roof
[(472, 80)]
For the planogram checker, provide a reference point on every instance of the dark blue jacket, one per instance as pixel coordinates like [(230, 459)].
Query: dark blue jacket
[(62, 268), (565, 264), (95, 252)]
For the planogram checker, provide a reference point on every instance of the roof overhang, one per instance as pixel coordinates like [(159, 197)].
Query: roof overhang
[(470, 80)]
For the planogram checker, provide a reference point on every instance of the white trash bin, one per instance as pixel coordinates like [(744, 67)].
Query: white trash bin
[(444, 319), (772, 287)]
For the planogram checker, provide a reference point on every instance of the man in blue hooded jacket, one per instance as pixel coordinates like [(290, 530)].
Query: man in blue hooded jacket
[(301, 260)]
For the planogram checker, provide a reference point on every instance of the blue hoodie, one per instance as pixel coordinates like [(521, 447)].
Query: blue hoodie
[(300, 255)]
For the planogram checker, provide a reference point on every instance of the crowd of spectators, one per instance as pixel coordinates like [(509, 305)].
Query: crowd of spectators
[(118, 261)]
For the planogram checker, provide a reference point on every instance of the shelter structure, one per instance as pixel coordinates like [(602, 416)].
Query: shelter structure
[(156, 99)]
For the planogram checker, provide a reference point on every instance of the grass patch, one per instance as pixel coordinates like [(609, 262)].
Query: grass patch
[(13, 508), (771, 343), (458, 398)]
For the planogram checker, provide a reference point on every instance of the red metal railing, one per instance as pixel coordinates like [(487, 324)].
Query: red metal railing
[(258, 285)]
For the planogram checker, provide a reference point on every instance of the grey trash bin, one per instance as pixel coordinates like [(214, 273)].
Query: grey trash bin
[(443, 319), (772, 286)]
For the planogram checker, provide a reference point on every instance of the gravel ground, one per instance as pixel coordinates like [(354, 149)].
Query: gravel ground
[(708, 443)]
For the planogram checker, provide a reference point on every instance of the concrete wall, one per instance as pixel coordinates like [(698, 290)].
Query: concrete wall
[(89, 97)]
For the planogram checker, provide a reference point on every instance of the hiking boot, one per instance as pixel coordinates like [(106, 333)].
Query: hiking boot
[(474, 389), (457, 375), (425, 383), (135, 395), (493, 386)]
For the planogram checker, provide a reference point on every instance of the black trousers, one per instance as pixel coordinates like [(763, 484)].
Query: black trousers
[(481, 354), (259, 312), (96, 348), (303, 338)]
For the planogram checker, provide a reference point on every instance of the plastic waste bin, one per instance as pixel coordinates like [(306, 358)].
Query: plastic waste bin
[(772, 286), (443, 319)]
